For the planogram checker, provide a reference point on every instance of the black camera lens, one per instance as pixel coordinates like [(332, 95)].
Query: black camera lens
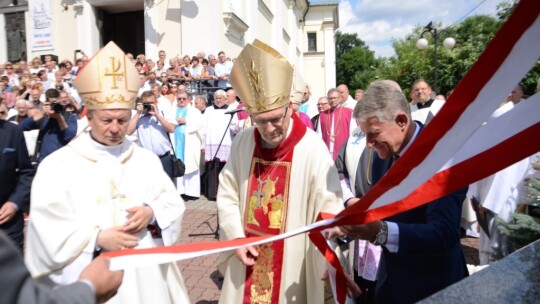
[(147, 106), (57, 107)]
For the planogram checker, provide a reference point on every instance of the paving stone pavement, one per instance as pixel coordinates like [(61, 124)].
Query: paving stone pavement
[(201, 277)]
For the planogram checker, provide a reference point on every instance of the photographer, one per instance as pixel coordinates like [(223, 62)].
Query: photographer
[(69, 103), (153, 127), (56, 126)]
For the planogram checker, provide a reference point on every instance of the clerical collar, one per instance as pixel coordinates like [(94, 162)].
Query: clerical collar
[(416, 131), (426, 104), (225, 106)]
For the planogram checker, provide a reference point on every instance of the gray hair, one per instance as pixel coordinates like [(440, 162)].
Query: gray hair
[(26, 103), (382, 99), (332, 90), (323, 98), (220, 93), (201, 98)]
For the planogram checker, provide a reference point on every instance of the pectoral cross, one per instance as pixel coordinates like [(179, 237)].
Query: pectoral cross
[(115, 67), (259, 192)]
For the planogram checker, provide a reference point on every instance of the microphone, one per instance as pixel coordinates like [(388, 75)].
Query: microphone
[(235, 111)]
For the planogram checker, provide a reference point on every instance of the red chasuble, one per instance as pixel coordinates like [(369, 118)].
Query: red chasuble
[(340, 118), (266, 212)]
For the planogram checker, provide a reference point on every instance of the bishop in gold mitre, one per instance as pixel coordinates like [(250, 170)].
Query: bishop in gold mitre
[(108, 81), (111, 191), (279, 176), (262, 78)]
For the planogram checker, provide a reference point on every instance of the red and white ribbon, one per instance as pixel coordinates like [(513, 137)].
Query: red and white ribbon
[(454, 150)]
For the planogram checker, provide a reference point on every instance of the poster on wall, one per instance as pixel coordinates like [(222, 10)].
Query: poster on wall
[(41, 25)]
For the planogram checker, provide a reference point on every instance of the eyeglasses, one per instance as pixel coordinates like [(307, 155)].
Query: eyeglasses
[(322, 104), (276, 122)]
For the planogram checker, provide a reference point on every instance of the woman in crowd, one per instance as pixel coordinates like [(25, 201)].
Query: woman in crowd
[(195, 71), (35, 65), (151, 65), (25, 88), (184, 70), (167, 95)]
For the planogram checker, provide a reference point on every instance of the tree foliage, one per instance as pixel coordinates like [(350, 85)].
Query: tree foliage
[(505, 9), (356, 65), (472, 35)]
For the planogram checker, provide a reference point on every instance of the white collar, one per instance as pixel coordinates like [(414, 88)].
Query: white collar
[(416, 131)]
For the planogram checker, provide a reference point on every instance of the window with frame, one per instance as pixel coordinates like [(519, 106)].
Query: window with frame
[(312, 42)]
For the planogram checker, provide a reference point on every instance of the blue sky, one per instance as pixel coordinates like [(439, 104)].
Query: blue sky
[(377, 22)]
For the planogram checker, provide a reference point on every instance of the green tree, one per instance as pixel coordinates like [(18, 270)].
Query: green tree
[(410, 63), (345, 42), (505, 8), (472, 36), (356, 65)]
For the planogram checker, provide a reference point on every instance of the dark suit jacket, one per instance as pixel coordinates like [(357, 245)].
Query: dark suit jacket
[(430, 256), (16, 174), (17, 286)]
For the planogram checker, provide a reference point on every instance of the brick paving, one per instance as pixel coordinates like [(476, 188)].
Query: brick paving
[(201, 277)]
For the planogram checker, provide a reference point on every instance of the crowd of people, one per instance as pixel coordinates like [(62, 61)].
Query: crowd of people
[(89, 154)]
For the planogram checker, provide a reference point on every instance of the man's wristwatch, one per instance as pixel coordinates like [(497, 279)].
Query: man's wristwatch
[(382, 236)]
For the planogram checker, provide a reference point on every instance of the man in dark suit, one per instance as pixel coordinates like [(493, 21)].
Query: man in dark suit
[(96, 283), (422, 253), (16, 174)]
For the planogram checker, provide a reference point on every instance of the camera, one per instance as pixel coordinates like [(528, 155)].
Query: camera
[(147, 107), (57, 107)]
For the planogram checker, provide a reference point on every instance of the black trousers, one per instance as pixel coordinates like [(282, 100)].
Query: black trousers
[(368, 290), (210, 179), (14, 229)]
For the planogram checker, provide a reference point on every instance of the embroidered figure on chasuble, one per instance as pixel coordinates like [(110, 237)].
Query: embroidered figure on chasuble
[(264, 215)]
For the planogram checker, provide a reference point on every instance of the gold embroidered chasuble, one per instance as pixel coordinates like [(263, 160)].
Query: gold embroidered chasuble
[(268, 193)]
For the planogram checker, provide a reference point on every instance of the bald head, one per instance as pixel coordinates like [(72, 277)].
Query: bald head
[(343, 91)]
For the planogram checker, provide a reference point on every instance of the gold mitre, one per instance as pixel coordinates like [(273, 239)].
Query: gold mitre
[(262, 78), (108, 81), (298, 88)]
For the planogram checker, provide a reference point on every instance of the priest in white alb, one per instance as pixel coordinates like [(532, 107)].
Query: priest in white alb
[(102, 193), (278, 177), (187, 139)]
